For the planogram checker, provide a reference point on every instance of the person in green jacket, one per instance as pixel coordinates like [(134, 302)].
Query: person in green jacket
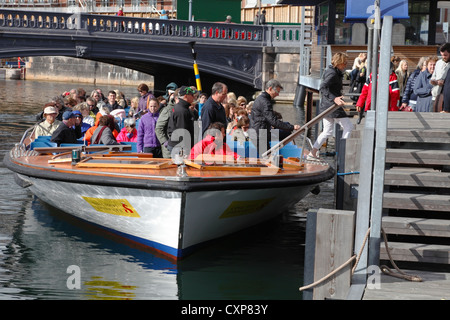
[(163, 121)]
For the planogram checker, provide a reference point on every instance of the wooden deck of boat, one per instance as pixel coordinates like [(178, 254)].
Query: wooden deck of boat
[(170, 169)]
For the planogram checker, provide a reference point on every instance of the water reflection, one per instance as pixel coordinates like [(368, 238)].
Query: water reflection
[(44, 246), (100, 289)]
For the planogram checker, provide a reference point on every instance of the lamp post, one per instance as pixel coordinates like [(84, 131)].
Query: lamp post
[(190, 10)]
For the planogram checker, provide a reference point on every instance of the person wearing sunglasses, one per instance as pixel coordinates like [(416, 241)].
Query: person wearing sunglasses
[(128, 132), (67, 131)]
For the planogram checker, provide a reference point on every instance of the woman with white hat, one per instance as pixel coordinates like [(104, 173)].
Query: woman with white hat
[(50, 123)]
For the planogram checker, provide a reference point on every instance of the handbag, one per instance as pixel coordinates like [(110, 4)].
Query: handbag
[(407, 109), (99, 136)]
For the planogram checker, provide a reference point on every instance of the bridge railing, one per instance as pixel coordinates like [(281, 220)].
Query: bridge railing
[(210, 32)]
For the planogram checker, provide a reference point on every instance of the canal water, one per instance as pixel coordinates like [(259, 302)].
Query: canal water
[(40, 251)]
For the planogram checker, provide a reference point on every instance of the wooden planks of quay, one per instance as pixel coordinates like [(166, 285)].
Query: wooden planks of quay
[(434, 286), (416, 204), (416, 201)]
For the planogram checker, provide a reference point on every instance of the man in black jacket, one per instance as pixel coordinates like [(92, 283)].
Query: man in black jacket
[(263, 118), (112, 103), (180, 128), (213, 110), (65, 132)]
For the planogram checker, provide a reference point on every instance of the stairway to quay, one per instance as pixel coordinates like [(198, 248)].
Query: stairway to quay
[(416, 202)]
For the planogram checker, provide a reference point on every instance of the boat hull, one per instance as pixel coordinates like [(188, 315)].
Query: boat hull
[(153, 204), (171, 223)]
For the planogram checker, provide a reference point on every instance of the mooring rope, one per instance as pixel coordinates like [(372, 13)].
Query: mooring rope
[(384, 269), (357, 257)]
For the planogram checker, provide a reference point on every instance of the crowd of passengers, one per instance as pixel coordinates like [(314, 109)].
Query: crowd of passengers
[(110, 118)]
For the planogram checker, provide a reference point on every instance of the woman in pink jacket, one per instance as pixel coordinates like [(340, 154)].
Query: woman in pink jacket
[(128, 132)]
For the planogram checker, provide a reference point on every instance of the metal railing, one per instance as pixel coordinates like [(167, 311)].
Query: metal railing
[(240, 34), (142, 6)]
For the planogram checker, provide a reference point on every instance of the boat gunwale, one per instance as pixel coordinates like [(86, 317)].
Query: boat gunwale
[(173, 184)]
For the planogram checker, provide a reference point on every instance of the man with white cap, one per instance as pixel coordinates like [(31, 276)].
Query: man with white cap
[(50, 123)]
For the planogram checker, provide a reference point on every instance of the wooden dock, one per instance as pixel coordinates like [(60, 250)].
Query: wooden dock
[(434, 286), (416, 202)]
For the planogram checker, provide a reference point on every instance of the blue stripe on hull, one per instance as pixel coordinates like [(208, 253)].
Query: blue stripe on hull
[(161, 248), (152, 246)]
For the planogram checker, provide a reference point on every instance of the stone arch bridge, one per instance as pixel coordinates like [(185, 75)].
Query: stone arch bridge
[(232, 53)]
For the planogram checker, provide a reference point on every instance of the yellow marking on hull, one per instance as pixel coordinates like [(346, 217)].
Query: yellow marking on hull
[(240, 208), (118, 207)]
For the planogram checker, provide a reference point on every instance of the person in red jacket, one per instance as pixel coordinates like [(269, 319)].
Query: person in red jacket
[(213, 143), (365, 99)]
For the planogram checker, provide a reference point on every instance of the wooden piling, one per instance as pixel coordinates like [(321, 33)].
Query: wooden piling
[(329, 245)]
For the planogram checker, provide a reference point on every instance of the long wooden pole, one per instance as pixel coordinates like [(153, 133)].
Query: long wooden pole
[(196, 72), (292, 136)]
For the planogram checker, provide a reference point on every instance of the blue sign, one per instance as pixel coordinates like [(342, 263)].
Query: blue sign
[(364, 9)]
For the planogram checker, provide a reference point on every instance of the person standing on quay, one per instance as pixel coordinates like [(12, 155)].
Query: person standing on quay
[(423, 87), (446, 94), (263, 118), (438, 77), (331, 93)]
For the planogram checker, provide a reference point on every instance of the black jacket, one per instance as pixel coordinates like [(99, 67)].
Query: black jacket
[(263, 117), (446, 93), (64, 134), (330, 88), (212, 112), (181, 118)]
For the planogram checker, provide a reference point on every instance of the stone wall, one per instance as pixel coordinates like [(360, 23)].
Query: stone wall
[(283, 65), (83, 71), (11, 73)]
